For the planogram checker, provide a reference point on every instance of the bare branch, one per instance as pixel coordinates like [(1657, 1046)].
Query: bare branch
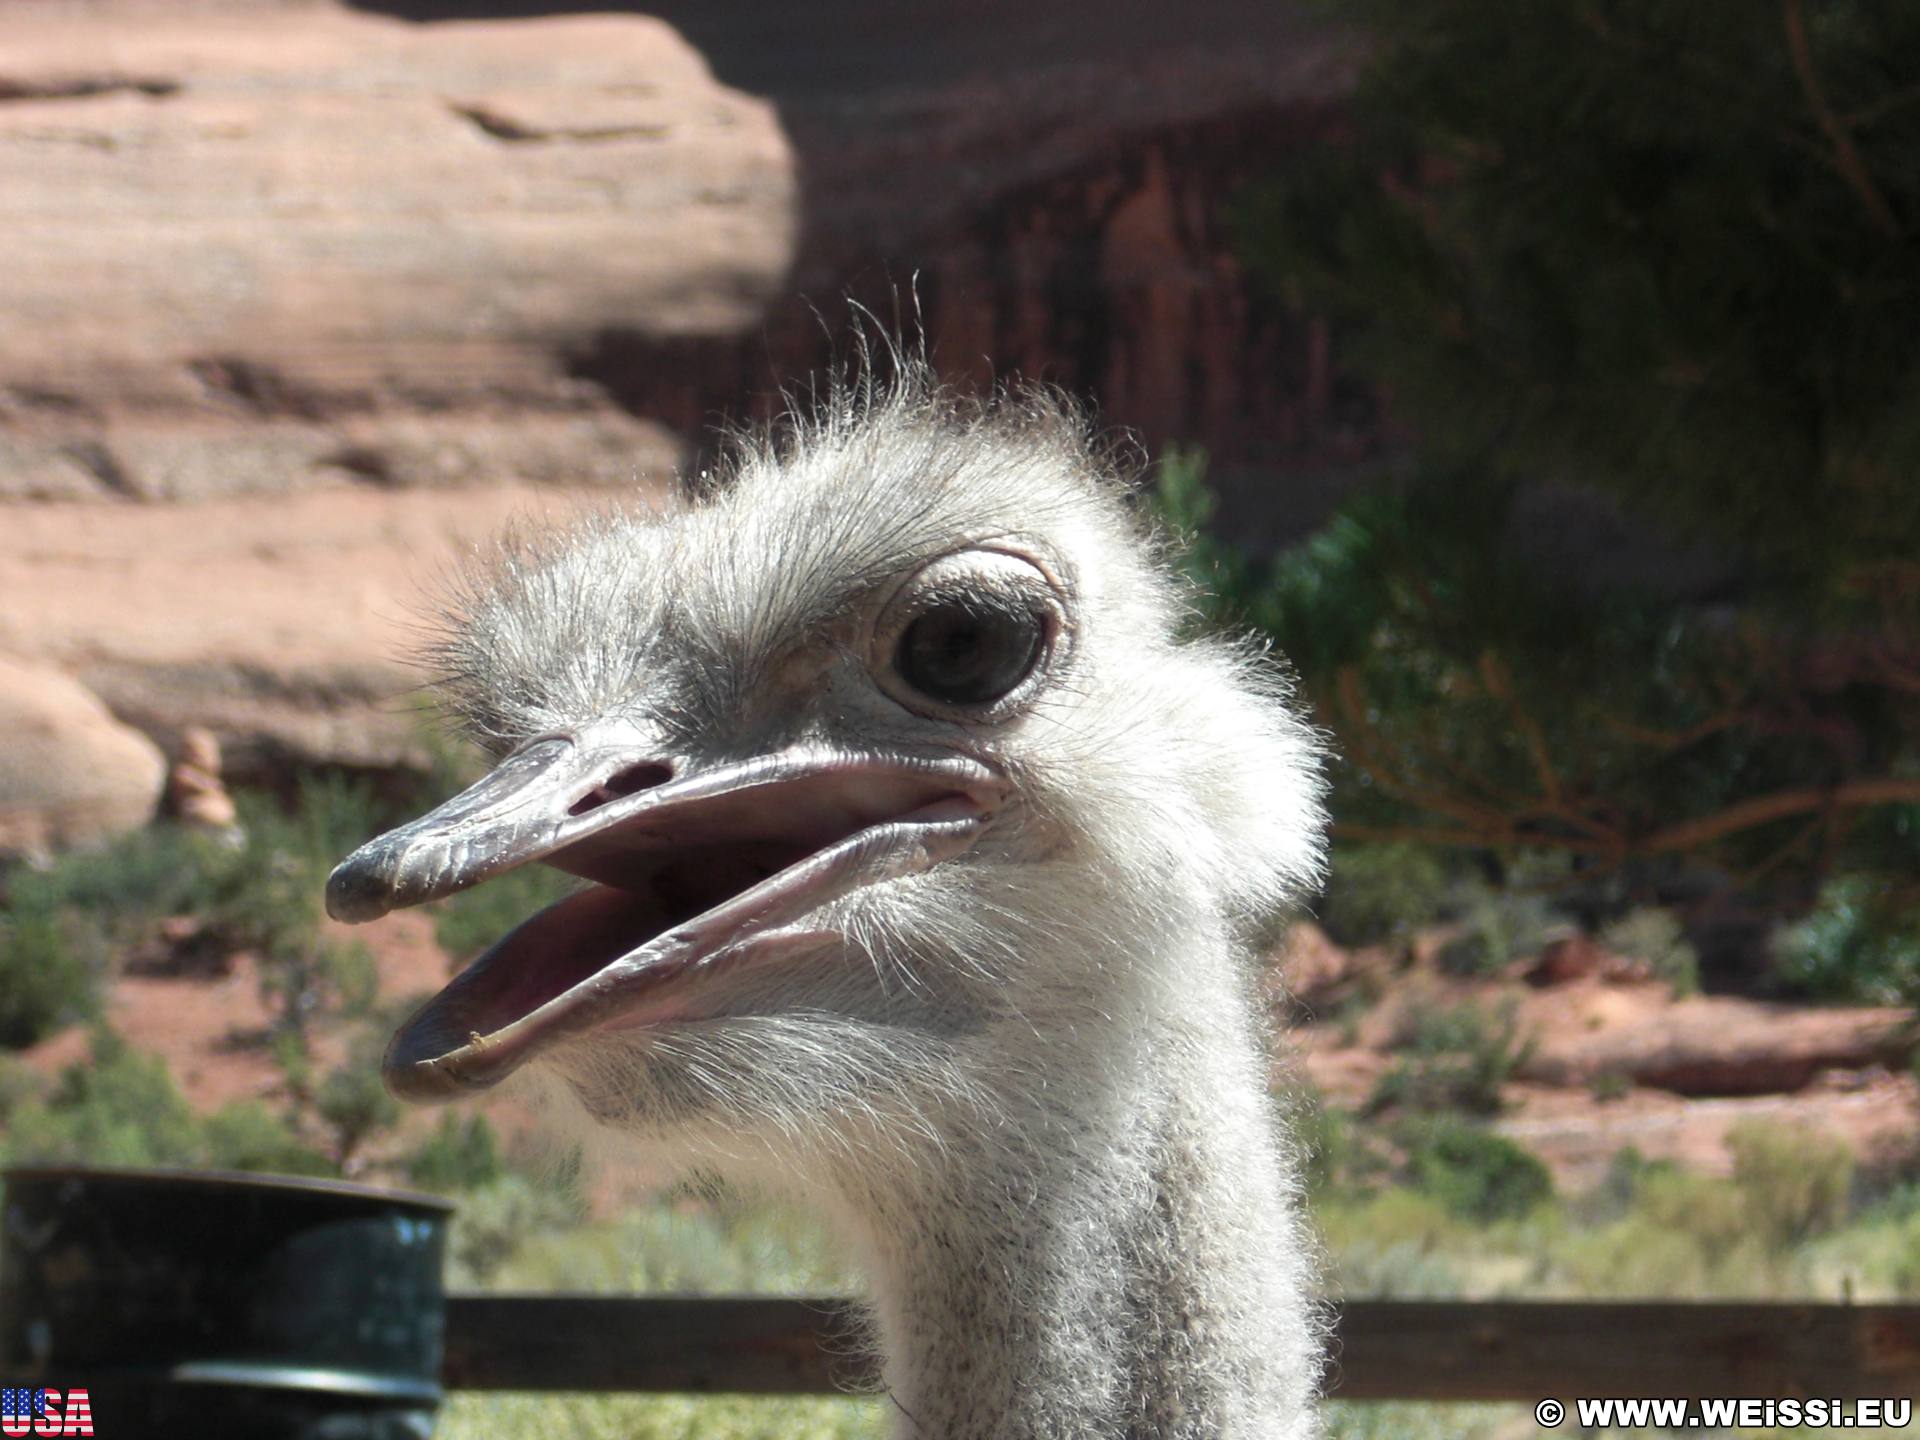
[(1883, 107), (1846, 155), (1673, 739), (1765, 809), (1502, 838), (1779, 857), (1366, 748), (1493, 674)]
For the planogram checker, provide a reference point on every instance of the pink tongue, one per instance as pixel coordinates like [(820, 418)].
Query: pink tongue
[(545, 957)]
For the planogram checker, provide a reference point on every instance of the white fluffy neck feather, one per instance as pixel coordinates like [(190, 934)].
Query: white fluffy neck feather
[(1110, 1261)]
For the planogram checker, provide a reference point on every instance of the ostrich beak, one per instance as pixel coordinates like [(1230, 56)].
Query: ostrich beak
[(693, 869)]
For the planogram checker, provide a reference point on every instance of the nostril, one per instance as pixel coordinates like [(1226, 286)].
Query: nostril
[(635, 778), (630, 781)]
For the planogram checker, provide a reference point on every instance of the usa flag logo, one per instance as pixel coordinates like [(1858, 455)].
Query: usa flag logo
[(42, 1410)]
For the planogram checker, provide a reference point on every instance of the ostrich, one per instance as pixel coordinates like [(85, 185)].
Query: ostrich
[(925, 854)]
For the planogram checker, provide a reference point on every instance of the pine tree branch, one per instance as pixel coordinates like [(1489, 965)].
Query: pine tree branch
[(1673, 739), (1894, 673), (1765, 809), (1494, 675), (1508, 832), (1470, 839), (1846, 155), (1432, 752), (1416, 834), (1883, 107), (1367, 749), (1748, 878), (1732, 89)]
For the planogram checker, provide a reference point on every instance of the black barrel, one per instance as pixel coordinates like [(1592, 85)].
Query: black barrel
[(212, 1305)]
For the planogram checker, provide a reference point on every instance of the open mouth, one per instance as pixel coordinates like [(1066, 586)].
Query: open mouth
[(691, 874)]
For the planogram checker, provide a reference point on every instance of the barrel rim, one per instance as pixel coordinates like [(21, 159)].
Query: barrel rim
[(278, 1376), (230, 1180)]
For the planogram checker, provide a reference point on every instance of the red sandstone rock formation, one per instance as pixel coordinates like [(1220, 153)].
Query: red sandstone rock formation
[(69, 772), (283, 248)]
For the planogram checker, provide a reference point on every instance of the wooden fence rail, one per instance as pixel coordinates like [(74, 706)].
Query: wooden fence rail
[(1384, 1349)]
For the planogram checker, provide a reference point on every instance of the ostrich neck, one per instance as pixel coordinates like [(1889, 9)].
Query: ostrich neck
[(1131, 1267)]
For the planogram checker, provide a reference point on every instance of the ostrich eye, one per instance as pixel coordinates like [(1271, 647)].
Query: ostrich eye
[(971, 631), (969, 651)]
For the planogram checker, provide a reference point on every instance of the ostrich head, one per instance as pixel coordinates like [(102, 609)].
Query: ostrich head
[(921, 839)]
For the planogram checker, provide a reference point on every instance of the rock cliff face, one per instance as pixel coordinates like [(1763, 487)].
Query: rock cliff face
[(307, 282), (69, 772), (256, 250), (331, 290)]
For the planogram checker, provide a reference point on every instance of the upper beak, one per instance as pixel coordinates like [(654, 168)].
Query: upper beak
[(540, 799)]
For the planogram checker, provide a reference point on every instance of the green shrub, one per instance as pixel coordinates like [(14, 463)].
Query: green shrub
[(1499, 927), (1377, 893), (1324, 1135), (1418, 1420), (272, 903), (19, 1085), (247, 1135), (1796, 1181), (494, 1223), (1662, 1230), (1392, 1215), (1475, 1173), (1657, 939), (461, 1154), (1638, 1257), (475, 1415), (1711, 1214), (449, 761), (1473, 952), (119, 1108), (1619, 1186), (1453, 1058), (353, 1102), (313, 978), (290, 1055), (1861, 943), (1610, 1085), (1878, 1251), (687, 1244), (51, 964), (262, 894), (125, 885), (1394, 1242), (331, 816)]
